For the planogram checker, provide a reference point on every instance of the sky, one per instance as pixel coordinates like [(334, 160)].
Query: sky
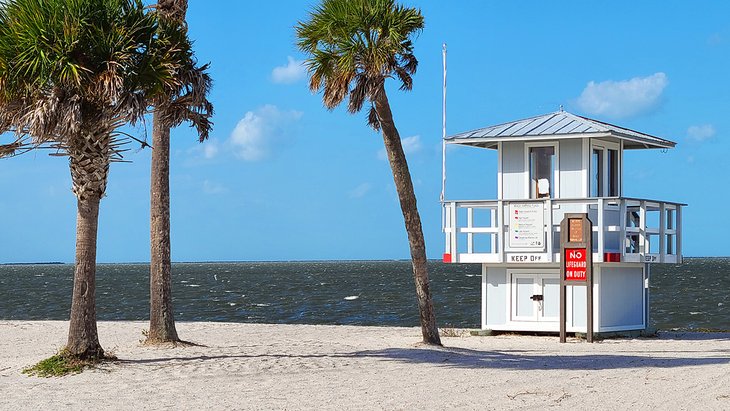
[(282, 178)]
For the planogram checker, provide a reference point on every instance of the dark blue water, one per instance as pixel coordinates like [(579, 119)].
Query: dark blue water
[(693, 295)]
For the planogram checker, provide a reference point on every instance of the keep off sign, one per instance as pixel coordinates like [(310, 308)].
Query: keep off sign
[(575, 264)]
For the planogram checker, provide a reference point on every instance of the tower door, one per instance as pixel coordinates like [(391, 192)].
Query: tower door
[(535, 297)]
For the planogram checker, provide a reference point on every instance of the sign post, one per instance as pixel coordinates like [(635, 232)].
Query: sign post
[(576, 265)]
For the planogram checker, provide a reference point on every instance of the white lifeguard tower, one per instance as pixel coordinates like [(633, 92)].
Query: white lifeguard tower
[(550, 165)]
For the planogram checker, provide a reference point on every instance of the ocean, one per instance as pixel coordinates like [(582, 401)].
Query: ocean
[(690, 296)]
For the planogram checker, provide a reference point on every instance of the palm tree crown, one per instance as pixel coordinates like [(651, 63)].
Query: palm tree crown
[(71, 65), (354, 46)]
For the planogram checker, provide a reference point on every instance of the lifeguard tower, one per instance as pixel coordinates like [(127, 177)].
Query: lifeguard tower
[(548, 166)]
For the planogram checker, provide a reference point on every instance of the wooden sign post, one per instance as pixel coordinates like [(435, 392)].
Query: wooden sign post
[(576, 264)]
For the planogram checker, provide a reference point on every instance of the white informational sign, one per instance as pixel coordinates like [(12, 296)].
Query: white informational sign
[(526, 226)]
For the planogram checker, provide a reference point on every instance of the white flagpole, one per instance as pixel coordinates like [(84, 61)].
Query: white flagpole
[(443, 144)]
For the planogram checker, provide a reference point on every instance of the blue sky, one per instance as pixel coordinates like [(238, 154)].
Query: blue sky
[(282, 178)]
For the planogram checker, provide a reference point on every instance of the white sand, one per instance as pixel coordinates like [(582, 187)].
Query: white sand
[(250, 366)]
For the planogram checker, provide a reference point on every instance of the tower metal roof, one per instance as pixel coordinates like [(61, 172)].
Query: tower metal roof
[(557, 125)]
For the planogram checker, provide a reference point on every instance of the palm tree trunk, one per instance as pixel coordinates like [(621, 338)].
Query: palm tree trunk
[(407, 197), (162, 321), (83, 340), (89, 158)]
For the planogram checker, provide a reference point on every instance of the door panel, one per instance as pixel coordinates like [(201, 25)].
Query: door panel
[(551, 299), (524, 306), (535, 297)]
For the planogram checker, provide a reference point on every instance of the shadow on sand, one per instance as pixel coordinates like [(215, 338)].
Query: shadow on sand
[(660, 357), (532, 360)]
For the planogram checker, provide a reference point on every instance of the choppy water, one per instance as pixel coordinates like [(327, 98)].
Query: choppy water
[(689, 296)]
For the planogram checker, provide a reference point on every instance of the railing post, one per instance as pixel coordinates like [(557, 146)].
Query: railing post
[(622, 227), (678, 231), (446, 221), (601, 230), (469, 234), (662, 231), (454, 231), (642, 228), (493, 223), (671, 225), (500, 232)]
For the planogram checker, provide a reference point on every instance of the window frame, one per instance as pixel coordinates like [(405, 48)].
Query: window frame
[(556, 171), (605, 184)]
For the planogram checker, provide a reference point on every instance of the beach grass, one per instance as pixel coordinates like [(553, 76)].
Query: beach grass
[(63, 364)]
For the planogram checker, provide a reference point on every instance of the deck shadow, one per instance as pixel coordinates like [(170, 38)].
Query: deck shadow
[(475, 359)]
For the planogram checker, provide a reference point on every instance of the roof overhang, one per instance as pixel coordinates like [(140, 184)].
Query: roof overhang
[(560, 125), (630, 142)]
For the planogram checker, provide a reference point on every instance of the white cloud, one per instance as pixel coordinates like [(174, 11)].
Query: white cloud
[(292, 72), (210, 149), (701, 133), (210, 187), (261, 131), (360, 191), (623, 98), (410, 145), (207, 150)]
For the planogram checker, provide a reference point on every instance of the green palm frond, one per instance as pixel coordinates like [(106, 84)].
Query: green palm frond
[(362, 42), (68, 65), (184, 98)]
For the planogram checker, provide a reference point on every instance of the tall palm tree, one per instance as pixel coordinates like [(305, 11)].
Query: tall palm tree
[(353, 47), (72, 72), (162, 320)]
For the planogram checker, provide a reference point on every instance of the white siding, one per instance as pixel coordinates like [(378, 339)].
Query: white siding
[(497, 292), (571, 169), (622, 296), (513, 171)]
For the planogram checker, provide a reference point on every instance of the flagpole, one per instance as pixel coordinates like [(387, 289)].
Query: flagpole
[(443, 142)]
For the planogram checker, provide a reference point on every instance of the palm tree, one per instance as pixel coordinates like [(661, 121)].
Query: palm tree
[(162, 320), (72, 72), (353, 47)]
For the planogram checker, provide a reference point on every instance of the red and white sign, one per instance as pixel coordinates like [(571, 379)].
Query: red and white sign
[(576, 264)]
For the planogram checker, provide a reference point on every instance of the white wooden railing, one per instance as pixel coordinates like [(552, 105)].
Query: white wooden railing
[(625, 230)]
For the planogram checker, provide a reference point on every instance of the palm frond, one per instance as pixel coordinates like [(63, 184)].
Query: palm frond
[(373, 120), (70, 69), (360, 41)]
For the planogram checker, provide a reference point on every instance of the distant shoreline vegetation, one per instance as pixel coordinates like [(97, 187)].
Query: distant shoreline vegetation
[(45, 263)]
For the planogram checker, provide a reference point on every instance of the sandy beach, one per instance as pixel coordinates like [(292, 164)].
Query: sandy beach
[(255, 366)]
